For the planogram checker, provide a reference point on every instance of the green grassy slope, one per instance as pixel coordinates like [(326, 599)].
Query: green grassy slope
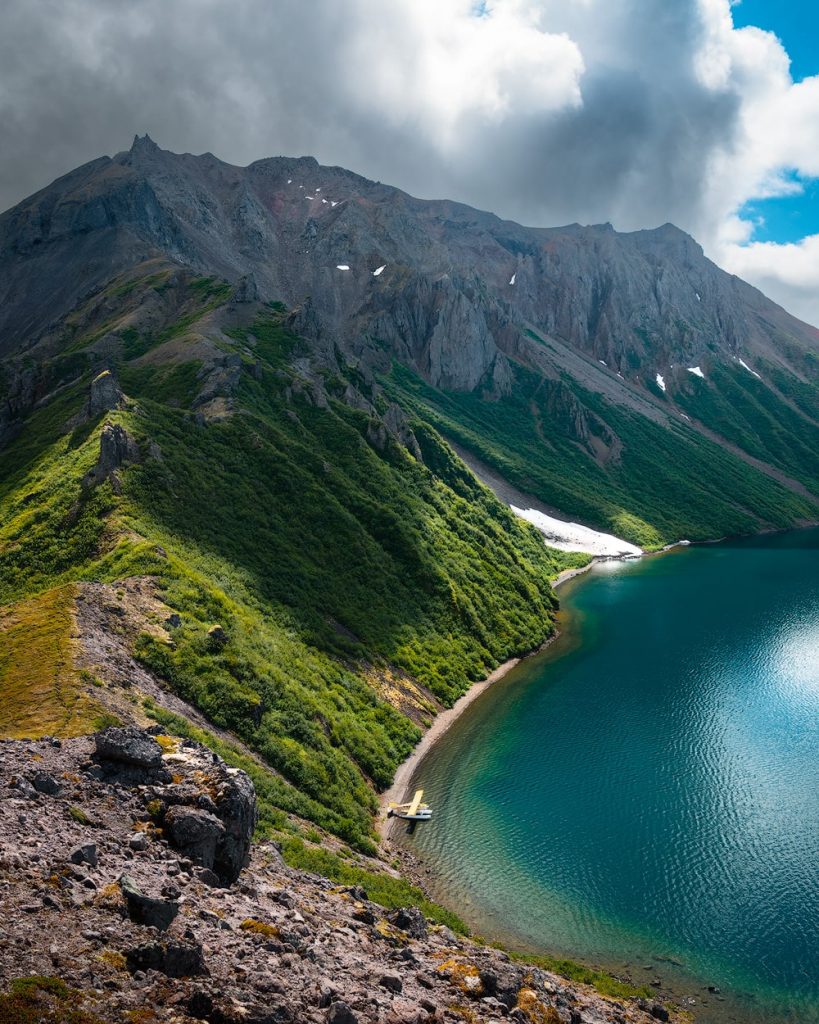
[(745, 410), (330, 557), (321, 556), (665, 484)]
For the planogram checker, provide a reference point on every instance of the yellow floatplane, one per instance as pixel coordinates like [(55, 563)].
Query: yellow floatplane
[(413, 811)]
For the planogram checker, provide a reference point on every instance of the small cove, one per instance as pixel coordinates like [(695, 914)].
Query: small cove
[(644, 795)]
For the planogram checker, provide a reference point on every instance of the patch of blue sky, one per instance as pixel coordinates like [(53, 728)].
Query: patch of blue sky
[(791, 217), (785, 218), (795, 22)]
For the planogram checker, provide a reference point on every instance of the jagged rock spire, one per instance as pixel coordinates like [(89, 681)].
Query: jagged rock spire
[(144, 144)]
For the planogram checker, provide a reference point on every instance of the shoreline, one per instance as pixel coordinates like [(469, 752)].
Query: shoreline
[(443, 721)]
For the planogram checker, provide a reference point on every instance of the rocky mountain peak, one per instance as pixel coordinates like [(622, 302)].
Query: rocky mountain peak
[(144, 144), (671, 241), (454, 291)]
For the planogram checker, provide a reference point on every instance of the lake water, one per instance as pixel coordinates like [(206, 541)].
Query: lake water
[(644, 795)]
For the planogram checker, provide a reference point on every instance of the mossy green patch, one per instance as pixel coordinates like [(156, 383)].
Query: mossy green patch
[(43, 1000), (41, 692)]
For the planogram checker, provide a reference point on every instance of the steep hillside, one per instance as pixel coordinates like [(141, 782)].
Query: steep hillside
[(119, 858), (311, 570), (623, 361)]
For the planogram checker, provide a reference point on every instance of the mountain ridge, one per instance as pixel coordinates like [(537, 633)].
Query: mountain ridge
[(227, 401), (51, 213), (460, 295)]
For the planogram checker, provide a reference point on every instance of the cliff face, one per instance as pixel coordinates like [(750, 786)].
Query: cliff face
[(458, 286), (610, 372)]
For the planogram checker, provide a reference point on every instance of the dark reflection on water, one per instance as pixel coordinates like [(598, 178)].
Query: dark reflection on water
[(647, 791)]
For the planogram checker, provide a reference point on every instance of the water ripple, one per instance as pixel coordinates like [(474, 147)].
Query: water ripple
[(656, 787)]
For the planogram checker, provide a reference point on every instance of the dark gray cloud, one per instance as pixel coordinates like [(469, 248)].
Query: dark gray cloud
[(342, 81)]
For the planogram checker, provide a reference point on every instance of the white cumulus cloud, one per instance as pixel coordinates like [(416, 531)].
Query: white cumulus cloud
[(775, 141)]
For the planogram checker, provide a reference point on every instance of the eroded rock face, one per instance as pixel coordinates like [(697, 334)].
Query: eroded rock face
[(210, 815), (449, 290), (105, 394), (235, 800), (441, 327), (207, 809), (195, 833), (246, 291), (117, 449)]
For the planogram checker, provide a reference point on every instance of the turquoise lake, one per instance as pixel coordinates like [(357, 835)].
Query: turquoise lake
[(644, 794)]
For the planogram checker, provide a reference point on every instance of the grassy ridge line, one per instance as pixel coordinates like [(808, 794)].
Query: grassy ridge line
[(419, 595)]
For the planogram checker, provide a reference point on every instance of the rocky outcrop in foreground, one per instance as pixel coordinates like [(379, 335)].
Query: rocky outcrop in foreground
[(131, 893)]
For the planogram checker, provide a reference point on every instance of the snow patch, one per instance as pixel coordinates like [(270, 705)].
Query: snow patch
[(743, 364), (696, 371), (685, 417), (620, 375), (698, 296), (332, 203), (574, 537), (602, 362), (512, 278), (661, 382), (289, 181), (342, 266), (380, 271), (324, 200)]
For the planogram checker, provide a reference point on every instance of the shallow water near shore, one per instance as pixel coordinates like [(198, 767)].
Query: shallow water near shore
[(644, 795)]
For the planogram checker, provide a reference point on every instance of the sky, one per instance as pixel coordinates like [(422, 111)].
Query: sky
[(635, 112)]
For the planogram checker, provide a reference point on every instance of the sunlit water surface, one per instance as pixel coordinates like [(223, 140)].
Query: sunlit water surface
[(645, 794)]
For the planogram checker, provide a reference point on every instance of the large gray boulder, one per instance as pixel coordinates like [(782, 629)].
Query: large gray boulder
[(503, 982), (176, 958), (212, 814), (235, 799), (195, 833), (129, 745), (411, 921), (152, 911)]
